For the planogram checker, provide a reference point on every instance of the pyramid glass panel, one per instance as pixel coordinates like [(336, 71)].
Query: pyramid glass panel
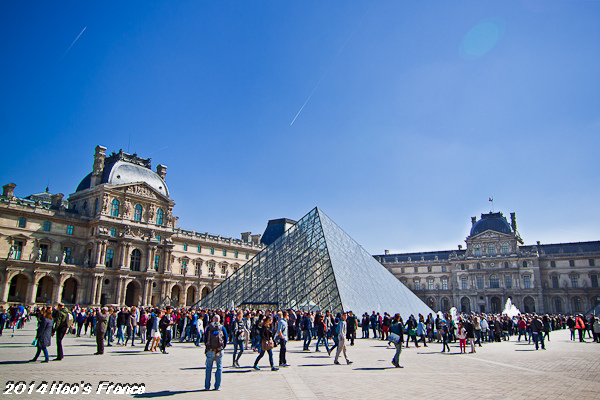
[(315, 265)]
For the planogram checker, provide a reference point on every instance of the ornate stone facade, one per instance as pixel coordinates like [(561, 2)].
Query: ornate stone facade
[(115, 241), (495, 266)]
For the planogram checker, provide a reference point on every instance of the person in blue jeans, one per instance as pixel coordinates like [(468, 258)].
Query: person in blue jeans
[(215, 339)]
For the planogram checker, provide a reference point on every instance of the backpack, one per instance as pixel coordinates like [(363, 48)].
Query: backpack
[(70, 319), (337, 329), (215, 340)]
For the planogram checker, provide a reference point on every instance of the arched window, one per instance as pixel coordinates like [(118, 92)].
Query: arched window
[(136, 260), (159, 216), (494, 282), (505, 249), (137, 213), (491, 250), (477, 251), (114, 208)]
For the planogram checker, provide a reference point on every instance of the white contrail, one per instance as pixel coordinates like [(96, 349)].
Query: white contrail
[(331, 65), (65, 53)]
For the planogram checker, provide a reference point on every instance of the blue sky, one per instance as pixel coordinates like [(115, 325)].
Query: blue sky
[(423, 110)]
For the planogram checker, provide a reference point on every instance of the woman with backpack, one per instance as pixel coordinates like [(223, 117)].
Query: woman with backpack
[(266, 343)]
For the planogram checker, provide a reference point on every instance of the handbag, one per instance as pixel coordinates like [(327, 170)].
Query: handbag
[(34, 343), (267, 345), (394, 338)]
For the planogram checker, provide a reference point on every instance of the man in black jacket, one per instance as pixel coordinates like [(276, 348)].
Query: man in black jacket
[(165, 329), (60, 328), (149, 325)]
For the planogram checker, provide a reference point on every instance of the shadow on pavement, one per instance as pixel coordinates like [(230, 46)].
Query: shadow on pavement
[(165, 393), (13, 362), (373, 368), (315, 365)]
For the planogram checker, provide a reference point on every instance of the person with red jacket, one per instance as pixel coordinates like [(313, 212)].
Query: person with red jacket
[(580, 326)]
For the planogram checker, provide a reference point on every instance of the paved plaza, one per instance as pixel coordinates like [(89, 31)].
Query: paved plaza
[(507, 370)]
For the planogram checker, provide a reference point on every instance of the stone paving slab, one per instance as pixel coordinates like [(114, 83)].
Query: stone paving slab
[(507, 370)]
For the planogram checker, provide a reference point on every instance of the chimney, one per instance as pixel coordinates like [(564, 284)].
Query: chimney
[(8, 190), (513, 221), (538, 242), (98, 167), (473, 220), (387, 252), (255, 239), (246, 236), (57, 200), (161, 170)]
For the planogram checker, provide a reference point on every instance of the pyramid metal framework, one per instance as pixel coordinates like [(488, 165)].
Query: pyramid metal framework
[(315, 265)]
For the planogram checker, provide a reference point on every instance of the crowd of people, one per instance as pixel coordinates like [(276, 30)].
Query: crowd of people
[(260, 331)]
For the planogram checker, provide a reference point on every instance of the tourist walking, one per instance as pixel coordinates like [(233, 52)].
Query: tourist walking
[(239, 336), (282, 332), (60, 327), (43, 336), (266, 343), (397, 337), (342, 330), (215, 340)]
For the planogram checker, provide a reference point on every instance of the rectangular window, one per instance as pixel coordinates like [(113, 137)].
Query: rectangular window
[(211, 269), (113, 232), (527, 282), (224, 253), (158, 238), (416, 269), (594, 279), (185, 247), (417, 285), (44, 250), (553, 264), (571, 263), (69, 229), (199, 249), (402, 270), (47, 226), (463, 283), (480, 282), (18, 250), (574, 281), (156, 261), (236, 254), (555, 282), (247, 255), (110, 255), (592, 262), (183, 267), (443, 268), (508, 281), (22, 222), (198, 269), (445, 284), (430, 284), (212, 250)]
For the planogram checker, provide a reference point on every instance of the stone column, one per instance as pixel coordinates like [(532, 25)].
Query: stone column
[(98, 290), (143, 296), (32, 291), (125, 264), (183, 297), (98, 253), (149, 292), (93, 291), (118, 292), (9, 276), (103, 252)]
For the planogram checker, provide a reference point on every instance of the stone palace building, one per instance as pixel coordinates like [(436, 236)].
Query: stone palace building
[(496, 265), (114, 241)]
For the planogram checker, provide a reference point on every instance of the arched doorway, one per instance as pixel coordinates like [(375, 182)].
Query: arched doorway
[(191, 296), (132, 294), (431, 302), (136, 260), (529, 304), (445, 305), (465, 305), (205, 291), (44, 290), (69, 294), (496, 305), (17, 291), (176, 294)]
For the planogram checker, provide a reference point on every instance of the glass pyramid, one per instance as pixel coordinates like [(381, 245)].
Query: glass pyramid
[(315, 265)]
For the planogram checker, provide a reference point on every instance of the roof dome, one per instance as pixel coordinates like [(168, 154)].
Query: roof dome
[(122, 169), (492, 221)]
